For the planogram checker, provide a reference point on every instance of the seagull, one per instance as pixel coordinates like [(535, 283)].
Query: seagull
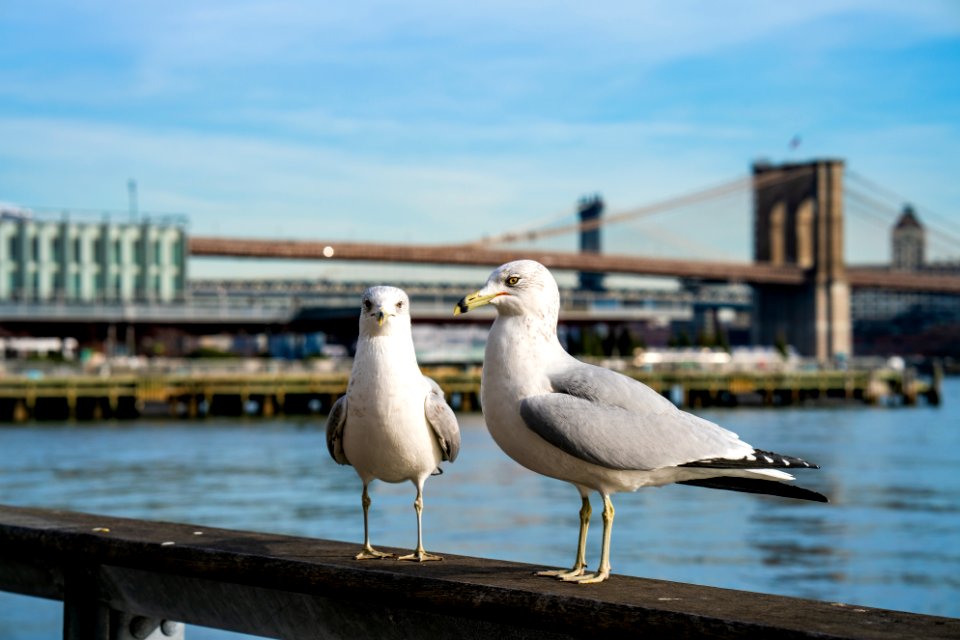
[(595, 428), (393, 424)]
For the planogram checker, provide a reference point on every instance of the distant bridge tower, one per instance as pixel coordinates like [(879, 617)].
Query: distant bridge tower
[(590, 210), (798, 220)]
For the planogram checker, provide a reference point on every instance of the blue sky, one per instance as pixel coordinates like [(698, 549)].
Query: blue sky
[(444, 122)]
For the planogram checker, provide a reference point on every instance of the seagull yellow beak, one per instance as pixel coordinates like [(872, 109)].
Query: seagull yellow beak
[(381, 316), (475, 300)]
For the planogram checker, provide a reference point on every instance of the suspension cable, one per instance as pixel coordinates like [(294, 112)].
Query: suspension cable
[(756, 181)]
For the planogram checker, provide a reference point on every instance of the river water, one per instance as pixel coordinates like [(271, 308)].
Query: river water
[(889, 538)]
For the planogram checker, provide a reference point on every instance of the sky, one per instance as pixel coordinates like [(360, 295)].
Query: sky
[(444, 122)]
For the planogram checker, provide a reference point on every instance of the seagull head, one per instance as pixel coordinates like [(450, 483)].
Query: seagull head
[(521, 287), (383, 310)]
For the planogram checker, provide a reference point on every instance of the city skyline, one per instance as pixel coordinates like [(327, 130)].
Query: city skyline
[(445, 124)]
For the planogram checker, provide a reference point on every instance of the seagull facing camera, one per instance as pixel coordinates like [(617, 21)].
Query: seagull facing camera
[(595, 428), (393, 424)]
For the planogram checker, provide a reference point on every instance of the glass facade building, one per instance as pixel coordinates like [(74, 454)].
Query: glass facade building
[(71, 261)]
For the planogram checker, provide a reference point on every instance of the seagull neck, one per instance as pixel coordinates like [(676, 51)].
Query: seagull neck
[(396, 352), (529, 340)]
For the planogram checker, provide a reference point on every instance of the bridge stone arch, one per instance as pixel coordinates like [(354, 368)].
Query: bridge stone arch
[(776, 233), (804, 230), (798, 221)]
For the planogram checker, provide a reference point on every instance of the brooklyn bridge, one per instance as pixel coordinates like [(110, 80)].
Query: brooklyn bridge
[(799, 276)]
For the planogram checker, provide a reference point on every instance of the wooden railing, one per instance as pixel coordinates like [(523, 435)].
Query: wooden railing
[(114, 573)]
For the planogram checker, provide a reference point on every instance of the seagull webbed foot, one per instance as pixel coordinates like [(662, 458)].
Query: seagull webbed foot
[(563, 574), (420, 556), (587, 578), (369, 553)]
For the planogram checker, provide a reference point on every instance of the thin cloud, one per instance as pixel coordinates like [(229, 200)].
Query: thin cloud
[(367, 120)]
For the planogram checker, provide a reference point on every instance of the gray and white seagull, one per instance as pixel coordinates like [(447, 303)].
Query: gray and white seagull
[(393, 424), (596, 428)]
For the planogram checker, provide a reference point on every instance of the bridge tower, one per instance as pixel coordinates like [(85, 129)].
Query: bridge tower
[(798, 220), (590, 210)]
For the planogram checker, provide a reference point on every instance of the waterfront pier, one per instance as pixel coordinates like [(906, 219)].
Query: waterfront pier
[(302, 392), (118, 577)]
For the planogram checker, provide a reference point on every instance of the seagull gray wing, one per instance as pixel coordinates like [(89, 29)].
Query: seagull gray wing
[(336, 422), (606, 386), (616, 422), (442, 420)]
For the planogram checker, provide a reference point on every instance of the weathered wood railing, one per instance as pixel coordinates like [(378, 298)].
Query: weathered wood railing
[(111, 572)]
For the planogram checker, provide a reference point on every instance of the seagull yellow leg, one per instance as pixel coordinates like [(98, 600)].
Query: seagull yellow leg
[(604, 571), (581, 563), (368, 552), (420, 555)]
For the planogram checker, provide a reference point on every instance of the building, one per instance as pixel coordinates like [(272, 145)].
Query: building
[(907, 322), (908, 240), (66, 260)]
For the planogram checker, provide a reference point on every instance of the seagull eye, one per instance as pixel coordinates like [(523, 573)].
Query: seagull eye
[(399, 305), (366, 305), (513, 280)]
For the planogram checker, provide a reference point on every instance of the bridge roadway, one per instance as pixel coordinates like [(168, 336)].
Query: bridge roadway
[(477, 255)]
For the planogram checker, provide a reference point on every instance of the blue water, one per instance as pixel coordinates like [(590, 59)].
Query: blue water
[(888, 539)]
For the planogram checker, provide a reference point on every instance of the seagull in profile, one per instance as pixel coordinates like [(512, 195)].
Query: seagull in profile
[(393, 424), (595, 428)]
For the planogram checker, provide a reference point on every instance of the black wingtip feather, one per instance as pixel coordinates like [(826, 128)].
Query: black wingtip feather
[(758, 460), (753, 485)]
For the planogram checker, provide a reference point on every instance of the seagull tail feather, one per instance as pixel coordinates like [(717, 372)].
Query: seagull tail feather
[(759, 459), (754, 485)]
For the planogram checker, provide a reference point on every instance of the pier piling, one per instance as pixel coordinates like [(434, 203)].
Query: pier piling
[(85, 397)]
